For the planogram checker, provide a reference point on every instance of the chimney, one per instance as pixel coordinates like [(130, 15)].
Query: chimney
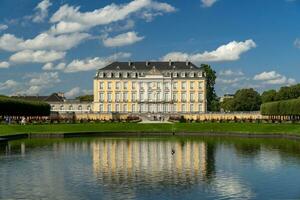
[(170, 63), (147, 63), (129, 63), (187, 63)]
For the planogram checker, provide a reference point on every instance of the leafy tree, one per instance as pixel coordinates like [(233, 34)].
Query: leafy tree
[(247, 100), (86, 98), (291, 92), (227, 105), (212, 98), (268, 96)]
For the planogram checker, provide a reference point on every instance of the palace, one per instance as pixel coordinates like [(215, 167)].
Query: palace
[(150, 87)]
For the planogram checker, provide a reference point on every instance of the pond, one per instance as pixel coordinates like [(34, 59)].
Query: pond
[(150, 168)]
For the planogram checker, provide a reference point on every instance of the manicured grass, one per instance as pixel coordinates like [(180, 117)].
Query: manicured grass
[(132, 127)]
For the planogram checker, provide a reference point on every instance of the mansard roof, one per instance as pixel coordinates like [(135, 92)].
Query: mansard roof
[(146, 66), (52, 98)]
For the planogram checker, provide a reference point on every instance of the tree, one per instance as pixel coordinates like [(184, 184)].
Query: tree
[(211, 96), (86, 98), (247, 100), (227, 105), (268, 96)]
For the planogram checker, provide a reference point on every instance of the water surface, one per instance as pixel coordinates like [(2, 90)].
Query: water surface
[(150, 168)]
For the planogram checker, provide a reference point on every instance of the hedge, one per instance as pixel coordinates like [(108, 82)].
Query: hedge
[(18, 107), (281, 108)]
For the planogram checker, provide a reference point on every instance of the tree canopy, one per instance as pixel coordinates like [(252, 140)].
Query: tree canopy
[(211, 96), (17, 107), (86, 98)]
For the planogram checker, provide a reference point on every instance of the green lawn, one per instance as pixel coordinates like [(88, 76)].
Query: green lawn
[(132, 127)]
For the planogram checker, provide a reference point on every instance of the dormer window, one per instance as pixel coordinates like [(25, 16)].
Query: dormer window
[(133, 75), (182, 74), (117, 75), (200, 74), (108, 74), (191, 74), (101, 74), (125, 75)]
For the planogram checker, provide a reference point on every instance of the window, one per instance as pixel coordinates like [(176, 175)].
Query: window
[(192, 85), (183, 97), (191, 107), (141, 85), (118, 96), (101, 96), (175, 85), (109, 97), (192, 74), (70, 107), (174, 96), (117, 108), (118, 85), (125, 86), (108, 108), (200, 97), (182, 74), (142, 96), (101, 108), (158, 96), (166, 96), (192, 97), (125, 96), (175, 74), (166, 86), (133, 108), (133, 85), (183, 85), (183, 108), (101, 85), (200, 85), (133, 96), (125, 107), (109, 85), (174, 108), (61, 107), (200, 107), (80, 107)]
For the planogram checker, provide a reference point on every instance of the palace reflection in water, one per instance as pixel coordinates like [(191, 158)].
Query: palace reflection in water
[(184, 162), (144, 168)]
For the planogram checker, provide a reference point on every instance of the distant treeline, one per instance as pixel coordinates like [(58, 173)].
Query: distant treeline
[(281, 108), (18, 107)]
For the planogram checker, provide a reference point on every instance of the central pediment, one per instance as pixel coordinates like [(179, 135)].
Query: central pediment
[(154, 71)]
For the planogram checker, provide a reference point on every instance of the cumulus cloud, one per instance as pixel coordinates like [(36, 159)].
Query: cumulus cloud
[(27, 56), (41, 11), (9, 84), (274, 78), (3, 27), (93, 63), (52, 67), (73, 92), (297, 43), (122, 39), (69, 19), (228, 52), (43, 41), (4, 64), (208, 3), (229, 72)]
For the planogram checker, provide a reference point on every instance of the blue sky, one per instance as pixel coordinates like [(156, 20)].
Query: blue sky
[(56, 45)]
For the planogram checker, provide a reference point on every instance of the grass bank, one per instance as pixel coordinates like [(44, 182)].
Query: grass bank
[(246, 128)]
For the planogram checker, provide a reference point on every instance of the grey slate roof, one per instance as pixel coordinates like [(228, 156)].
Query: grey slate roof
[(52, 98), (145, 66)]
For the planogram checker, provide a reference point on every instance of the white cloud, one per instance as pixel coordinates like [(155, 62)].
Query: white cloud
[(42, 11), (70, 19), (36, 56), (208, 3), (93, 63), (230, 72), (122, 40), (229, 52), (51, 67), (73, 92), (43, 41), (274, 78), (4, 64), (9, 84), (297, 43), (3, 27)]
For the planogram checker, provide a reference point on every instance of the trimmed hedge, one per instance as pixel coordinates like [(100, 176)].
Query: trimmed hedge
[(281, 108), (18, 107)]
